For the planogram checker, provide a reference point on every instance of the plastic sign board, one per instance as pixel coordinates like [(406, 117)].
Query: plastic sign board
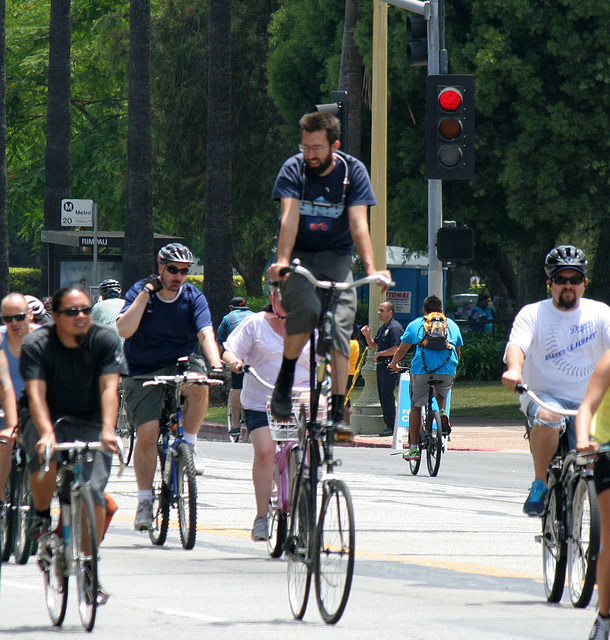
[(76, 213)]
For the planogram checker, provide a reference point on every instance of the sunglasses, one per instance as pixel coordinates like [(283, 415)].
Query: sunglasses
[(20, 317), (571, 279), (174, 270), (74, 311)]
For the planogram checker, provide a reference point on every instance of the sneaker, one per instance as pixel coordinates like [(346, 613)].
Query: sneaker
[(198, 462), (342, 432), (102, 595), (41, 526), (601, 629), (281, 398), (235, 433), (411, 454), (260, 529), (144, 516), (536, 500), (446, 425), (386, 432)]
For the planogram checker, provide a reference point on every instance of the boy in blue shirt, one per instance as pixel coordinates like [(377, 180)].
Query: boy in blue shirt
[(428, 364)]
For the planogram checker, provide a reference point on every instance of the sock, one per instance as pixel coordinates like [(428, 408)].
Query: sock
[(144, 494), (191, 438), (45, 513), (606, 617), (337, 403), (288, 366)]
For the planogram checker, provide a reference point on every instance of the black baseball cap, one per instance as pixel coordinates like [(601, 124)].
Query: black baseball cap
[(238, 303)]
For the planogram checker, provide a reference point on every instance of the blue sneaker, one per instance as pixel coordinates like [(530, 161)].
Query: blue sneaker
[(536, 501)]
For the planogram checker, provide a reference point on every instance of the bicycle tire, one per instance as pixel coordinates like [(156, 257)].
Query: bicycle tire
[(84, 553), (334, 551), (158, 534), (583, 542), (277, 523), (125, 430), (415, 464), (23, 547), (554, 548), (7, 516), (298, 546), (187, 495), (434, 451), (51, 559)]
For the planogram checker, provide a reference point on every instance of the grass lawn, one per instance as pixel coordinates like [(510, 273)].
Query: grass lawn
[(468, 399)]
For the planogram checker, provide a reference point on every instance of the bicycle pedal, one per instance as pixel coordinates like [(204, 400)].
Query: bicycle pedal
[(538, 538)]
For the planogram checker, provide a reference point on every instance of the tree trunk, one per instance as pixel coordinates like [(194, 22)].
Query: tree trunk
[(57, 152), (351, 77), (138, 250), (218, 282), (531, 278), (4, 256)]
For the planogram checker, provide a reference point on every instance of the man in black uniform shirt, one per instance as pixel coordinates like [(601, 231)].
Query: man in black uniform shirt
[(386, 341)]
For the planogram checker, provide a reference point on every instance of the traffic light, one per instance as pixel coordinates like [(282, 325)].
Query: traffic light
[(417, 48), (455, 244), (338, 107), (450, 127)]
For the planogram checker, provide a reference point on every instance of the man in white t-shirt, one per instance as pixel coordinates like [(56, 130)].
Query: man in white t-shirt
[(553, 347)]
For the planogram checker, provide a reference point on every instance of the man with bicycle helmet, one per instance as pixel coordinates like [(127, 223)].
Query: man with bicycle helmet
[(106, 310), (553, 347), (164, 318)]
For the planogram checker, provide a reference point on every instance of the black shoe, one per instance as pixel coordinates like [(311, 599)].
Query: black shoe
[(235, 432), (342, 432), (281, 398), (41, 526), (386, 432)]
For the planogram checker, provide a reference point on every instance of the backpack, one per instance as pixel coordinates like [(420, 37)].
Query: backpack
[(435, 337)]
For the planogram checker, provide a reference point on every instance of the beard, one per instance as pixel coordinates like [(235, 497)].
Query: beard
[(320, 168), (80, 339), (567, 304)]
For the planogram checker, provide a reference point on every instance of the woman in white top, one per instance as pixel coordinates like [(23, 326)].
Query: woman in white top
[(259, 341)]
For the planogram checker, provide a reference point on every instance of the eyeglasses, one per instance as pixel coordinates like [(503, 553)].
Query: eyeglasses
[(318, 148), (74, 311), (174, 270), (571, 279), (20, 317)]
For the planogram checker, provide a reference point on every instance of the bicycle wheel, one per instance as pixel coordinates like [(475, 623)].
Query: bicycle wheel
[(22, 545), (277, 524), (298, 551), (125, 430), (583, 542), (51, 560), (84, 553), (554, 552), (187, 495), (158, 534), (414, 464), (7, 516), (435, 443), (334, 551)]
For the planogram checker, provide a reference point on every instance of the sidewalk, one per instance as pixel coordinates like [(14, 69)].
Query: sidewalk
[(468, 434)]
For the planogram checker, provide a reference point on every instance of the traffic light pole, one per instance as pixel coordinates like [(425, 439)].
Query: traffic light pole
[(431, 11)]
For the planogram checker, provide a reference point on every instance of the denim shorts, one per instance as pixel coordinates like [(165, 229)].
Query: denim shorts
[(255, 419), (566, 422)]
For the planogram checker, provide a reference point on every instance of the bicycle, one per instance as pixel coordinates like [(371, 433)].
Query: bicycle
[(432, 440), (71, 549), (15, 512), (571, 522), (320, 544), (123, 428), (175, 482)]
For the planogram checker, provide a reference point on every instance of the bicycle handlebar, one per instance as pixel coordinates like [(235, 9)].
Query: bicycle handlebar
[(376, 278), (248, 368), (523, 388), (188, 377), (77, 445)]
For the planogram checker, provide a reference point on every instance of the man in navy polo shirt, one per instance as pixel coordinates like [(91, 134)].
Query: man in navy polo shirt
[(164, 318)]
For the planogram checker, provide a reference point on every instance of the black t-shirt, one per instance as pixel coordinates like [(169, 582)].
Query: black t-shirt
[(72, 374)]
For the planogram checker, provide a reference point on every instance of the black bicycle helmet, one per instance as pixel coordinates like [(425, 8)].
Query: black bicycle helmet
[(566, 256), (175, 252), (110, 288)]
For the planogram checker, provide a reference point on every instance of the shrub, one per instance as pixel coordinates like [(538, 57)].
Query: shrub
[(481, 357), (26, 281)]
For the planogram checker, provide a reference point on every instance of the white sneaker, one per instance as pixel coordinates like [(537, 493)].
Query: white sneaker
[(260, 530), (198, 462), (144, 516), (601, 629)]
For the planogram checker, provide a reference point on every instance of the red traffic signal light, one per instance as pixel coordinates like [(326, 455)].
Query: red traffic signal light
[(450, 127)]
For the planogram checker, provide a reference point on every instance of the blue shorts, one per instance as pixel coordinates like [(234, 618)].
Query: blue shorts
[(566, 422), (255, 419)]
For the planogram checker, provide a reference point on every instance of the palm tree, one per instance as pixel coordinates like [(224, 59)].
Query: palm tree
[(57, 152), (218, 285), (138, 259)]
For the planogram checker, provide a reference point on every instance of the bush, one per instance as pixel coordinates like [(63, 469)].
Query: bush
[(481, 357), (26, 281)]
